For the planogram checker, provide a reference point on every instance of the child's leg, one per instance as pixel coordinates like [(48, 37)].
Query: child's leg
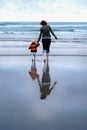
[(34, 56)]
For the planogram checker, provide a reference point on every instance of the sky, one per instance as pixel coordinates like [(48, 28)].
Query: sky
[(37, 10)]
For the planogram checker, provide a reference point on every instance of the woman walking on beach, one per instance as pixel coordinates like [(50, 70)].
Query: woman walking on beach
[(45, 31)]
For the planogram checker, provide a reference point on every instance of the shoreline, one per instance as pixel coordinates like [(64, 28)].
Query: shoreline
[(40, 55), (56, 49)]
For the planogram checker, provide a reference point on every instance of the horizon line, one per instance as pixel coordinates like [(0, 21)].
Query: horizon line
[(50, 21)]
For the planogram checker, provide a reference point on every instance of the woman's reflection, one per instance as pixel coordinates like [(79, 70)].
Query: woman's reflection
[(33, 73), (45, 84)]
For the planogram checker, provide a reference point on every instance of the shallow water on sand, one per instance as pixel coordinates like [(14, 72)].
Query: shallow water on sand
[(21, 108)]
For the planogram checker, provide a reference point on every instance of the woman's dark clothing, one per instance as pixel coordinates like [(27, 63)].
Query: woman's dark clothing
[(45, 33), (46, 44)]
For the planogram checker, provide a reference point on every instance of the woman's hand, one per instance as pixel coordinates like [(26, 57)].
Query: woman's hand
[(56, 38)]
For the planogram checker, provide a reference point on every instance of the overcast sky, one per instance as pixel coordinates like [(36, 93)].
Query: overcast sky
[(50, 10)]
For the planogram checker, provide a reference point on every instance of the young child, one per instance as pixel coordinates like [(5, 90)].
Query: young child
[(33, 47)]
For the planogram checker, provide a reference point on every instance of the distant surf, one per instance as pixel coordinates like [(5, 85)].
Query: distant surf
[(16, 36)]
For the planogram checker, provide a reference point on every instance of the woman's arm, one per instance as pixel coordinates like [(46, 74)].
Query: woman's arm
[(39, 36), (53, 33)]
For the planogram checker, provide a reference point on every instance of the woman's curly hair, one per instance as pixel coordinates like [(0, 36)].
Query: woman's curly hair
[(43, 22)]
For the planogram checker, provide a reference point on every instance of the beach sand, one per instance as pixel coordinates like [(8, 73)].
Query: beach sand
[(65, 108)]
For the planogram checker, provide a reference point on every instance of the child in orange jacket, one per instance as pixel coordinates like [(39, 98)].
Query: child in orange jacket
[(33, 47)]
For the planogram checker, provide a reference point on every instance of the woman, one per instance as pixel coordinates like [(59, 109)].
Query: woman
[(45, 31)]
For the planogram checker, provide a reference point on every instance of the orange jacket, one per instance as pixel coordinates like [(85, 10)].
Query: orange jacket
[(33, 46)]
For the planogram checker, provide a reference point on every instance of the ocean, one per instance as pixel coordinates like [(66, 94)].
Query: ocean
[(20, 34)]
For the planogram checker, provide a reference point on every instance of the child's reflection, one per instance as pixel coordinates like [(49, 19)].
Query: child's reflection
[(33, 73), (45, 85)]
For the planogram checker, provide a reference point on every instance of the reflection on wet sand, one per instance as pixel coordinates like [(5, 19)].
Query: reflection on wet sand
[(45, 83), (33, 73)]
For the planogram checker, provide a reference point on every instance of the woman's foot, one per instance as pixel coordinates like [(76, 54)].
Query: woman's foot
[(45, 60)]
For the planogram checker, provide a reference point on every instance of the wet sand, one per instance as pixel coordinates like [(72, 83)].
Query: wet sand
[(65, 108)]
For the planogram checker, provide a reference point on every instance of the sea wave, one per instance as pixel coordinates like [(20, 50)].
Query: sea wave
[(25, 31), (35, 27)]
